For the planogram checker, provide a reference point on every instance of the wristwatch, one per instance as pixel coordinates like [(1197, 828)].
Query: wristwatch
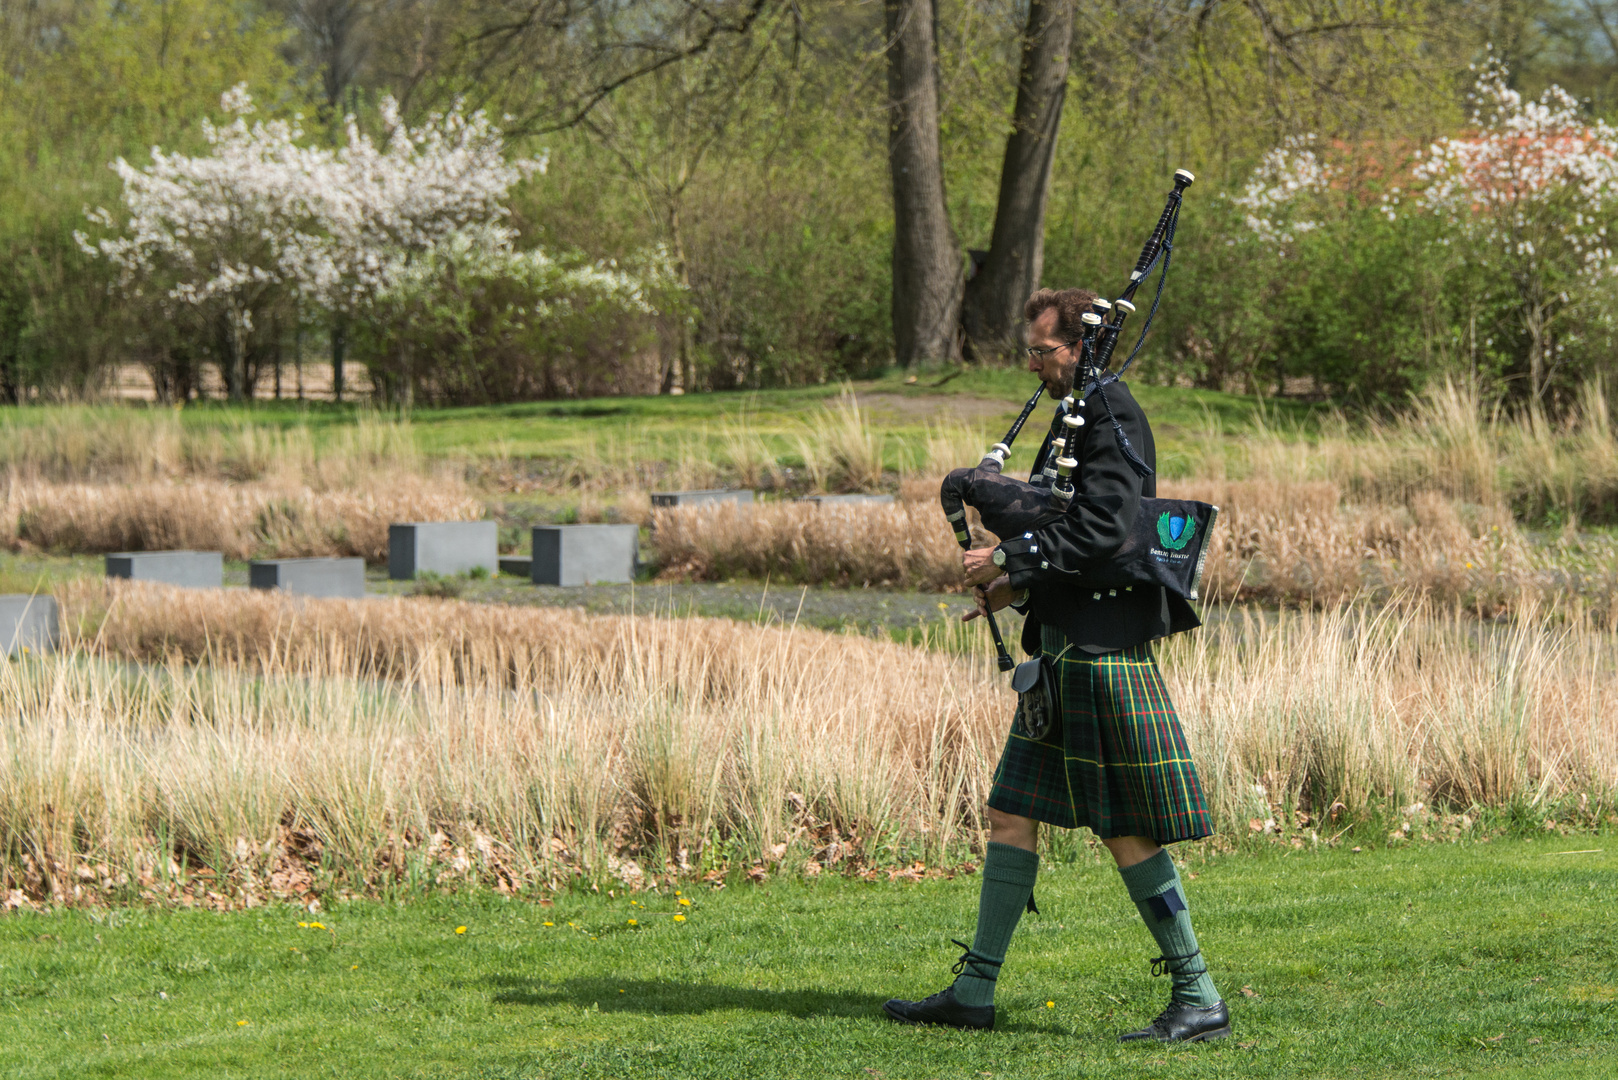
[(999, 557)]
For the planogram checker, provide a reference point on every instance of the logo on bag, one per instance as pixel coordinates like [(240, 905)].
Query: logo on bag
[(1175, 531)]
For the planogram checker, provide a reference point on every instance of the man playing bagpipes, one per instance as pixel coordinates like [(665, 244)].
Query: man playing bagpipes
[(1109, 753)]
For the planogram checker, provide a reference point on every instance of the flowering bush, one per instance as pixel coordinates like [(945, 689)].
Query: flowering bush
[(408, 238), (1487, 251), (1531, 192), (1288, 183)]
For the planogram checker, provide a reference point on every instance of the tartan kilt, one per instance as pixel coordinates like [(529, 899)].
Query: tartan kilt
[(1116, 758)]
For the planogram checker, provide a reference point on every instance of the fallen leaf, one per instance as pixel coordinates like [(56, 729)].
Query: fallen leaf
[(1382, 1003), (1249, 991), (1246, 1045), (1533, 1042)]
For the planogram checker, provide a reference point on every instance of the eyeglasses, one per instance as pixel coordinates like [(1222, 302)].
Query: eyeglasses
[(1035, 354)]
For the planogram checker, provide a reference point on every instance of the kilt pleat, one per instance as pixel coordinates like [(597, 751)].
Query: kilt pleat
[(1116, 760)]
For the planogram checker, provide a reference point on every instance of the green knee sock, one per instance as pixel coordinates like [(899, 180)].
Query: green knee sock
[(1155, 887), (1008, 882)]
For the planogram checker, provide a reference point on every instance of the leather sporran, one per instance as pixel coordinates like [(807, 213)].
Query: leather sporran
[(1037, 698)]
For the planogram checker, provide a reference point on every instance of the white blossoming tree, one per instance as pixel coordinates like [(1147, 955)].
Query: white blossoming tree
[(385, 236), (218, 234), (1530, 194)]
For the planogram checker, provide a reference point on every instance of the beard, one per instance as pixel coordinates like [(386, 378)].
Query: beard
[(1060, 385)]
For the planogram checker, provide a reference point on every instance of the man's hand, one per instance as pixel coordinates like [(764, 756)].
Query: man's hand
[(979, 566), (995, 596)]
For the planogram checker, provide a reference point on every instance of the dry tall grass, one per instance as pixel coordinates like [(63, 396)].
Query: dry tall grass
[(1450, 442), (241, 520), (426, 741), (904, 543), (1288, 542)]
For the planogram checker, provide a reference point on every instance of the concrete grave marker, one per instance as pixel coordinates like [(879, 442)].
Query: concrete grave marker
[(442, 547), (847, 500), (310, 577), (192, 569), (29, 622), (585, 554), (699, 498)]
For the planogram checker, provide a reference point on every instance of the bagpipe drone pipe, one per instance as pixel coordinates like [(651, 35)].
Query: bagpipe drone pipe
[(1166, 543)]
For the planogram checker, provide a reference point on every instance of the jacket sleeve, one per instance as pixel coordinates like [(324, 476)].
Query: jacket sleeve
[(1100, 517)]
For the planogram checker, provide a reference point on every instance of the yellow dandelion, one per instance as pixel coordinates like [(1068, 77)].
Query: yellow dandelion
[(303, 926), (550, 924), (460, 929), (1050, 1004), (632, 922), (317, 926), (684, 902), (1469, 566), (620, 991), (241, 1023), (676, 892), (353, 967), (679, 918)]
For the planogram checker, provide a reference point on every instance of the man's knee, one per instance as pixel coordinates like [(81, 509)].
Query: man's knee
[(1010, 829)]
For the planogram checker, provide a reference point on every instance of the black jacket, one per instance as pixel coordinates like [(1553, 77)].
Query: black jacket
[(1105, 506)]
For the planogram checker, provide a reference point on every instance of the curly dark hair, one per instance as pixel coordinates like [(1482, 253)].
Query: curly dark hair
[(1070, 305)]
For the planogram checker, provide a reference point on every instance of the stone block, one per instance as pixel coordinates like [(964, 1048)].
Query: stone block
[(309, 577), (699, 498), (29, 622), (192, 569), (847, 500), (584, 554), (442, 547), (516, 566)]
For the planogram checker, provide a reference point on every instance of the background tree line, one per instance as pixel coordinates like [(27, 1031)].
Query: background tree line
[(766, 149)]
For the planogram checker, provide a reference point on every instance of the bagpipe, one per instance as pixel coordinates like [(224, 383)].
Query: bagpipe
[(1166, 543)]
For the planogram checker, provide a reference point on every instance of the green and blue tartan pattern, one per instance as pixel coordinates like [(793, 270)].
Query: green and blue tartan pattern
[(1116, 761)]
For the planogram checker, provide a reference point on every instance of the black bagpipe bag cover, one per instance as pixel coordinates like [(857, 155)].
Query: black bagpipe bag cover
[(1166, 544)]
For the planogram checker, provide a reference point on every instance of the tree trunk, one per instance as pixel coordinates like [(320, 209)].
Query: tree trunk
[(236, 355), (1534, 323), (927, 281), (677, 375), (992, 314), (339, 346)]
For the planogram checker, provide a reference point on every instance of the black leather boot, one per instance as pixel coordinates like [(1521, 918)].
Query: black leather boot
[(941, 1009), (1184, 1023)]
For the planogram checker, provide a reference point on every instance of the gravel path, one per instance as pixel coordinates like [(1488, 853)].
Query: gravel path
[(876, 611)]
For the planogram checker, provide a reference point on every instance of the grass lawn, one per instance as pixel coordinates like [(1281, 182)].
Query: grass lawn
[(665, 427), (1490, 960)]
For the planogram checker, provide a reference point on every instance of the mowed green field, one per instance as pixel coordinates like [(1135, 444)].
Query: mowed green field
[(977, 400), (1487, 960)]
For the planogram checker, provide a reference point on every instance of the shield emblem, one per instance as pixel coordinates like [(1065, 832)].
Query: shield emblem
[(1175, 531)]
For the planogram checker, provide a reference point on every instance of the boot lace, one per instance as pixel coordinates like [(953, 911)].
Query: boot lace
[(975, 964)]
